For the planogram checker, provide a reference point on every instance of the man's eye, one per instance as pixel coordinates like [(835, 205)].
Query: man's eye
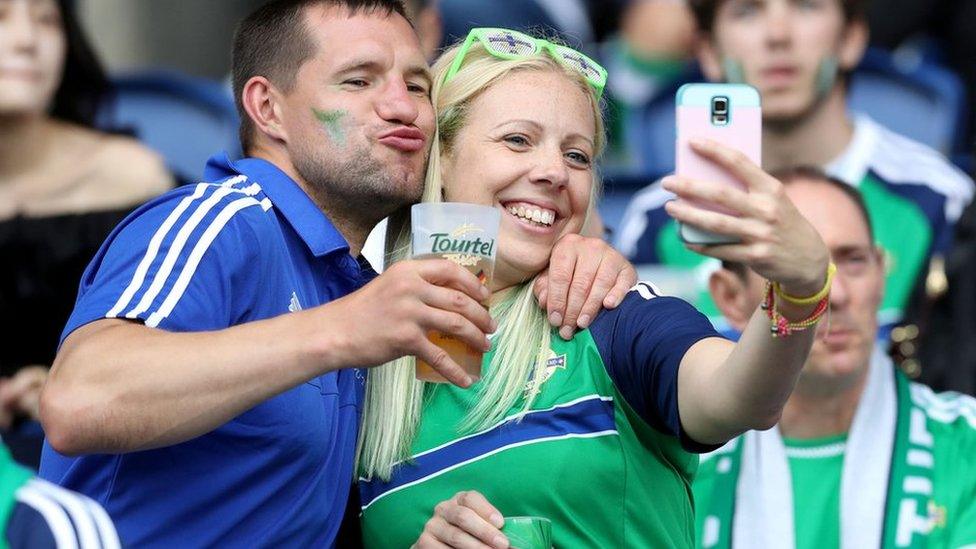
[(744, 8), (417, 88), (357, 82)]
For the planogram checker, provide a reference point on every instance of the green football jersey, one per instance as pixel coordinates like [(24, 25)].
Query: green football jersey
[(589, 456), (815, 468), (931, 496)]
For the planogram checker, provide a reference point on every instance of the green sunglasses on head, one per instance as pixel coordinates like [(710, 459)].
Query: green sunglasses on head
[(509, 44)]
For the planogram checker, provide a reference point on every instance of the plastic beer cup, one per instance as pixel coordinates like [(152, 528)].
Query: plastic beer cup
[(528, 532), (465, 234)]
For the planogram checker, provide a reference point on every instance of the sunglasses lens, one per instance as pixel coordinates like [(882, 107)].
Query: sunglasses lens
[(581, 63), (509, 44)]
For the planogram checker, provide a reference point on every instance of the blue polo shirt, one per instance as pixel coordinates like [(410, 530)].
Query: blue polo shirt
[(246, 246)]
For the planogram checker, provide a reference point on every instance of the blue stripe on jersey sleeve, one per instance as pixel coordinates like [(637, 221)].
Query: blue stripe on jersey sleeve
[(642, 343), (159, 264), (27, 528)]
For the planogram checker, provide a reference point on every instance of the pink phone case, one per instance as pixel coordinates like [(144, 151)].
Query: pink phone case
[(743, 133)]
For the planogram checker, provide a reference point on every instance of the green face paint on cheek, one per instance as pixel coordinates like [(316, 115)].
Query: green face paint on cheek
[(735, 73), (332, 122)]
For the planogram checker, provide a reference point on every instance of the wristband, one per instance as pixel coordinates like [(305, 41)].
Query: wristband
[(831, 271)]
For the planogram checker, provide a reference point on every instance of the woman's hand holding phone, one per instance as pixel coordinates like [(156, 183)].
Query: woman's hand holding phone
[(772, 238)]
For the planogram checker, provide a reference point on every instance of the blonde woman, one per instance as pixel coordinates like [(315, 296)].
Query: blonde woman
[(599, 433)]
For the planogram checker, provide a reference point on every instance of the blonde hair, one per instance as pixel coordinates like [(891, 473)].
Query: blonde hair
[(394, 397)]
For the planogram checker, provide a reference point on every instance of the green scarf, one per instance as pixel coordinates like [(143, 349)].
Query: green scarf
[(899, 472)]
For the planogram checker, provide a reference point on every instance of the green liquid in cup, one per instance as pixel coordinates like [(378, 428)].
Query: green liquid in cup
[(528, 532)]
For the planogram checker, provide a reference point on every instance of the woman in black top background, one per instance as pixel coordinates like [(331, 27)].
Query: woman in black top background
[(63, 186)]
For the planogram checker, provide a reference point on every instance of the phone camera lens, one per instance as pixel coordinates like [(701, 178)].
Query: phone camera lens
[(720, 105)]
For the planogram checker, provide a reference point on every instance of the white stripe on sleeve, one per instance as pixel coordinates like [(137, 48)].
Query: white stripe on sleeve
[(154, 243), (195, 256), (106, 529), (55, 516), (76, 508), (178, 244)]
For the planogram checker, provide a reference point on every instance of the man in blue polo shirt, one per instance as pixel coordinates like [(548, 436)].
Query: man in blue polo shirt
[(206, 391)]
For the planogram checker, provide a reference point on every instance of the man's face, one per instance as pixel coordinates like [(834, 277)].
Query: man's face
[(843, 345), (359, 120), (790, 50)]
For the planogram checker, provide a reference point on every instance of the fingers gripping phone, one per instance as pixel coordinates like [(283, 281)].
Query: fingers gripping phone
[(727, 113)]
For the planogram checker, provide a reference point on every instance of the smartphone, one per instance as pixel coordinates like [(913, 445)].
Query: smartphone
[(730, 114)]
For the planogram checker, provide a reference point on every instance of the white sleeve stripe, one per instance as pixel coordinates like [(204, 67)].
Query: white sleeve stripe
[(106, 529), (176, 248), (194, 260), (55, 516), (154, 243), (76, 508), (634, 221)]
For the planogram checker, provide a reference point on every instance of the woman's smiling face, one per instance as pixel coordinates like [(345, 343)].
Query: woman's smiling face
[(527, 148)]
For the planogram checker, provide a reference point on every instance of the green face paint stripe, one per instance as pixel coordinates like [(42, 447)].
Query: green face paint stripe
[(735, 73), (332, 121)]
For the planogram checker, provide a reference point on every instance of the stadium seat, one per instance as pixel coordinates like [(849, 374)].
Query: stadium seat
[(186, 119), (460, 16), (915, 98)]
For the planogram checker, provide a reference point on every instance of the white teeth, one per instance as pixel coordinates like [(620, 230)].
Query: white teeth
[(543, 217)]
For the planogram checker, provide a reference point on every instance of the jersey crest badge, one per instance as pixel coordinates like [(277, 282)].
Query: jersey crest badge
[(553, 363)]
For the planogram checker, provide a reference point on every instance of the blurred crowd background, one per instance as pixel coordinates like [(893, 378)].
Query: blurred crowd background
[(167, 63)]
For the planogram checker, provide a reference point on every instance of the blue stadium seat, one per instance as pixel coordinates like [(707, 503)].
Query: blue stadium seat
[(460, 16), (186, 119), (915, 98)]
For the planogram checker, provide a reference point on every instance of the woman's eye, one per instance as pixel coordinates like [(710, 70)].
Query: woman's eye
[(519, 140), (579, 158)]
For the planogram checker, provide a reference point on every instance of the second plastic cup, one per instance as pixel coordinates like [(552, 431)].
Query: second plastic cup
[(465, 234), (528, 532)]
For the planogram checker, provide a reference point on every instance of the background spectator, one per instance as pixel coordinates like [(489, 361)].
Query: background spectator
[(63, 186), (799, 56)]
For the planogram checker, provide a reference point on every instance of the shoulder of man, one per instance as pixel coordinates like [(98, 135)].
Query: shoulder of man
[(644, 218), (46, 515), (187, 240), (898, 159), (192, 215), (951, 416)]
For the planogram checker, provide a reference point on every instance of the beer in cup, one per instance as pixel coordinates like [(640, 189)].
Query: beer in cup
[(465, 234)]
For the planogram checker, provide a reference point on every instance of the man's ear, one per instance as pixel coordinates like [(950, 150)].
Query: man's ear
[(709, 58), (854, 42), (732, 297), (262, 102)]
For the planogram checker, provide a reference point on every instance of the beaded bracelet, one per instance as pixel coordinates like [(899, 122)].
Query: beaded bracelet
[(817, 297), (779, 325)]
